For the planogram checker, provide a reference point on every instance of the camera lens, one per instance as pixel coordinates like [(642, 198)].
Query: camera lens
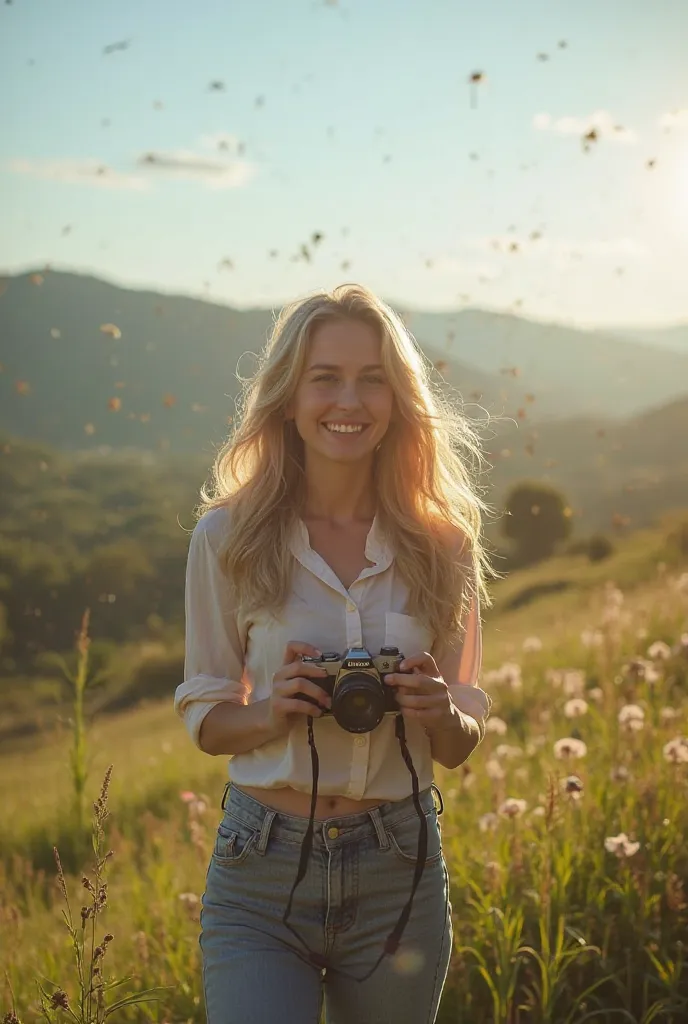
[(358, 703)]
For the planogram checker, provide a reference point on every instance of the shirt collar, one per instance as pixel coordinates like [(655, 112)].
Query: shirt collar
[(378, 549)]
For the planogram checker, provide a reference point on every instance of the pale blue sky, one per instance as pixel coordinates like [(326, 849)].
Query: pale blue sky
[(346, 86)]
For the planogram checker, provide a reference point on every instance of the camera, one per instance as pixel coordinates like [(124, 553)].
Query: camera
[(355, 682)]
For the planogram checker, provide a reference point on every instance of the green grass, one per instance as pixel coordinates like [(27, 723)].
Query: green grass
[(543, 913)]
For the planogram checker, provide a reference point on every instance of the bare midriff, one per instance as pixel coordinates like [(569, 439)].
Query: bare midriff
[(292, 801)]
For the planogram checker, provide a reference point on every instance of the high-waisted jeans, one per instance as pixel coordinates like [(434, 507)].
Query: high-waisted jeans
[(359, 877)]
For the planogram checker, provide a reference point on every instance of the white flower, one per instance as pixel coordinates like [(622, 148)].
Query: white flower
[(592, 638), (508, 674), (573, 682), (619, 773), (494, 770), (621, 845), (189, 899), (487, 822), (496, 725), (569, 747), (631, 717), (538, 812), (512, 807), (575, 708), (659, 650), (596, 694), (668, 714), (532, 644), (676, 750), (508, 751)]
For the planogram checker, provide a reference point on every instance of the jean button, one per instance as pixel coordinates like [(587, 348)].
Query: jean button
[(333, 832)]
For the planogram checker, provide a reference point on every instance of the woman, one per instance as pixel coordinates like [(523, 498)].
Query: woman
[(341, 516)]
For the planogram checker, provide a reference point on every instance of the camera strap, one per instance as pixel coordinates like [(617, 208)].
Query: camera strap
[(392, 942)]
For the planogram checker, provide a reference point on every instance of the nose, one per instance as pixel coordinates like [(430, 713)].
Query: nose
[(347, 396)]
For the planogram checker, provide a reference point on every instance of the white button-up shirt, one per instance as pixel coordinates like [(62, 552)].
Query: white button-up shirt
[(232, 656)]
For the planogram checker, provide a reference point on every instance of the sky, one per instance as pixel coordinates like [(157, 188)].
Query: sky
[(252, 151)]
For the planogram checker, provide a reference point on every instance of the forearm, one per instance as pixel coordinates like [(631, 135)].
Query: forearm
[(453, 744), (231, 728)]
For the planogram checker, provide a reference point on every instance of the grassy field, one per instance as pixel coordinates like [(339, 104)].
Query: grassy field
[(564, 833)]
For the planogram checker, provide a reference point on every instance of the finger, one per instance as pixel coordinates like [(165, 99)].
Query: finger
[(297, 648), (296, 668), (301, 707), (288, 687), (424, 662), (415, 683)]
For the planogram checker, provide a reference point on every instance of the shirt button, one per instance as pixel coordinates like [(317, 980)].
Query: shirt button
[(350, 606), (360, 741), (333, 832)]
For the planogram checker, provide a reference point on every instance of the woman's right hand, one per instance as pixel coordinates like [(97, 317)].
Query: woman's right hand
[(296, 677)]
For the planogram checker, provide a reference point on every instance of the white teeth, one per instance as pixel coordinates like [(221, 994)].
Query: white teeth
[(344, 429)]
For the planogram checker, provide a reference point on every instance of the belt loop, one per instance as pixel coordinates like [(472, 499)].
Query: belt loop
[(439, 809), (376, 819), (262, 843), (224, 795)]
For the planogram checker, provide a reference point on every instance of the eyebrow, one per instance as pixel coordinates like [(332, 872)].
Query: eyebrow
[(332, 366)]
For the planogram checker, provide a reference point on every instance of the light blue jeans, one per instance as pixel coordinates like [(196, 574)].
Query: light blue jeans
[(359, 877)]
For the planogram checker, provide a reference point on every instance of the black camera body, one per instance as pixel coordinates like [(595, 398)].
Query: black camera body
[(355, 683)]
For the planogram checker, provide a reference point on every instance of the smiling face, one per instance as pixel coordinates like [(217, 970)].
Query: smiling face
[(343, 402)]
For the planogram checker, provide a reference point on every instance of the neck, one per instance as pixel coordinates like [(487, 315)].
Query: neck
[(340, 492)]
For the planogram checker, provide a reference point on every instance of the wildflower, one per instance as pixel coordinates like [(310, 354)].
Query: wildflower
[(538, 812), (59, 1000), (573, 786), (638, 668), (575, 707), (682, 646), (187, 796), (596, 694), (676, 750), (487, 822), (494, 770), (532, 644), (189, 899), (668, 714), (508, 751), (569, 747), (592, 638), (631, 717), (521, 774), (495, 724), (573, 682), (659, 650), (619, 773), (512, 807), (621, 845), (508, 674), (493, 871)]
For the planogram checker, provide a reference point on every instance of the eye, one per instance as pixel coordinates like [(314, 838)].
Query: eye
[(375, 378), (325, 376)]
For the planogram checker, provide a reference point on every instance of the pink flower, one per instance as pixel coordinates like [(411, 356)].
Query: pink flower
[(187, 796)]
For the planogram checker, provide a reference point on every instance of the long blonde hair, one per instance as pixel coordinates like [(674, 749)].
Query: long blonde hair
[(427, 502)]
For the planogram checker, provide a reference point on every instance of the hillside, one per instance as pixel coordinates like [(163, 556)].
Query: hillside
[(168, 382)]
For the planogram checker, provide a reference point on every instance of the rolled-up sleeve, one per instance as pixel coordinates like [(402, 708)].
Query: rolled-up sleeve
[(214, 655), (459, 666)]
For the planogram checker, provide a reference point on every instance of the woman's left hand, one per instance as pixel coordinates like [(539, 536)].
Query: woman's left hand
[(422, 694)]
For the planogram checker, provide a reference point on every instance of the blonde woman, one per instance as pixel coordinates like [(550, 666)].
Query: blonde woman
[(341, 518)]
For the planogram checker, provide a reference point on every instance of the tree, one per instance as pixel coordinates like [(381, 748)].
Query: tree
[(537, 519)]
